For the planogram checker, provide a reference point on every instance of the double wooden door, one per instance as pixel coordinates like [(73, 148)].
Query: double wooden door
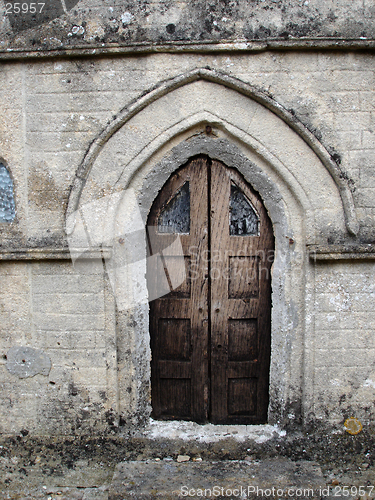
[(210, 255)]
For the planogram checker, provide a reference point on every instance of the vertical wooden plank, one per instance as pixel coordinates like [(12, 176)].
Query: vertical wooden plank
[(199, 247), (219, 232)]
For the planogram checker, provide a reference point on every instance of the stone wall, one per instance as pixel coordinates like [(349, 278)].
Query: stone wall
[(53, 110), (344, 342), (89, 24), (59, 313), (60, 107)]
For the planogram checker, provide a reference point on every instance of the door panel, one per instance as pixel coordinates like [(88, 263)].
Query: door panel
[(210, 335), (175, 397), (239, 371), (183, 379), (243, 277), (242, 339)]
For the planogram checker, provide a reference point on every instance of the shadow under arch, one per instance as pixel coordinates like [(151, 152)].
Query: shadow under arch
[(210, 75)]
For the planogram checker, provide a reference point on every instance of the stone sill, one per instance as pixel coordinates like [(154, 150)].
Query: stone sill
[(341, 252), (208, 433), (53, 254), (93, 50)]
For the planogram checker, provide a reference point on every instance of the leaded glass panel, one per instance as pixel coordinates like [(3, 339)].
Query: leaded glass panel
[(175, 216), (243, 219), (7, 206)]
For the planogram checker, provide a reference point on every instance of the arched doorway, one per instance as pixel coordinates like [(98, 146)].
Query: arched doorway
[(211, 249), (255, 135)]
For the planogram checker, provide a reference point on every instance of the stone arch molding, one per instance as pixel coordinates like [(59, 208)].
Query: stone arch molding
[(302, 189), (250, 112)]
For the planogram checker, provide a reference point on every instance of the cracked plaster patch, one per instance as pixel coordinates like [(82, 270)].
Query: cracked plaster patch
[(26, 362)]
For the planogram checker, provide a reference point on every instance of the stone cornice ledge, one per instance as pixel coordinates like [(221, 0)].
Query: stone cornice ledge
[(207, 46), (316, 253), (64, 253), (341, 252)]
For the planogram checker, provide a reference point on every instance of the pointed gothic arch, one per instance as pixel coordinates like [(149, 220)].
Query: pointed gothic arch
[(206, 74), (216, 115)]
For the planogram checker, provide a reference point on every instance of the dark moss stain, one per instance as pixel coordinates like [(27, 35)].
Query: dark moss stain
[(111, 418), (336, 158), (72, 390), (103, 395), (312, 27), (262, 33), (170, 28)]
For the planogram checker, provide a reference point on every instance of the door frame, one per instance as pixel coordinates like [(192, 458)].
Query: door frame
[(290, 390), (288, 277)]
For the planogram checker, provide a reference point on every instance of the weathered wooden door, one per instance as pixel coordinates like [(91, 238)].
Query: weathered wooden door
[(210, 255)]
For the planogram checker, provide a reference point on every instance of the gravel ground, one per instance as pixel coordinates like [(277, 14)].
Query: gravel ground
[(83, 468)]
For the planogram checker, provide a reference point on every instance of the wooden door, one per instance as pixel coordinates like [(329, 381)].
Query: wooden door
[(210, 255)]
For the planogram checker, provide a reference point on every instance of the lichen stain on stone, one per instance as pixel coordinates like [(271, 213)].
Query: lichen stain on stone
[(27, 362), (43, 191)]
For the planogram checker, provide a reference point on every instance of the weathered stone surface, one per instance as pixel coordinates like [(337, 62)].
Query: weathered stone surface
[(95, 494), (32, 467), (243, 479), (100, 373), (68, 25)]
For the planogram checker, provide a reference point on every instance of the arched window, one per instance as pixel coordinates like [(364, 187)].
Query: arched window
[(7, 206)]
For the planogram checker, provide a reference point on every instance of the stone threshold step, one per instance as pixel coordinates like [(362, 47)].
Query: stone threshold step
[(267, 479)]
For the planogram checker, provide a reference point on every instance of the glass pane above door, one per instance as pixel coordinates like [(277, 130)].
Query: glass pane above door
[(175, 215), (243, 219)]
